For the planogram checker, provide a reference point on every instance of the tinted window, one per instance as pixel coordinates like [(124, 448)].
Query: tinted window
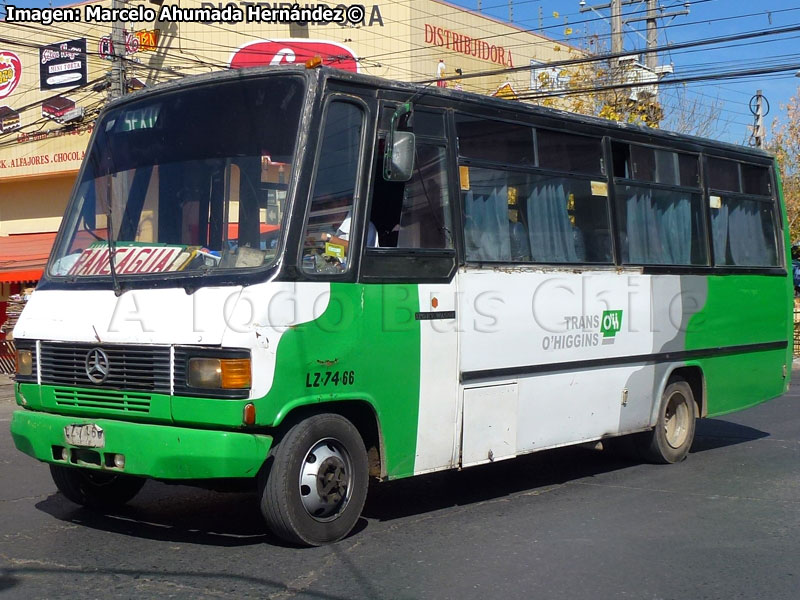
[(526, 217), (744, 233), (690, 170), (496, 141), (756, 180), (424, 121), (568, 152), (660, 227), (723, 175), (428, 123), (655, 165)]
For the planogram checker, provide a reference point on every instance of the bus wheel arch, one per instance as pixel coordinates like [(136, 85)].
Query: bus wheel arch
[(672, 437), (693, 375), (313, 486), (361, 413)]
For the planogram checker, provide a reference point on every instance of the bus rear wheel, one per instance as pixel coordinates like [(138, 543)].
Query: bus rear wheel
[(95, 489), (314, 490), (672, 437)]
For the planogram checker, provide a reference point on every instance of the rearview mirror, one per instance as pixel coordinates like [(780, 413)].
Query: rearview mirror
[(401, 164), (398, 158)]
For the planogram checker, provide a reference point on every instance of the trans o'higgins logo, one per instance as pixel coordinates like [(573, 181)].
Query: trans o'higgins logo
[(10, 72), (585, 331)]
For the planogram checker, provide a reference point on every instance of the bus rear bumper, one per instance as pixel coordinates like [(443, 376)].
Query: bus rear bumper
[(158, 451)]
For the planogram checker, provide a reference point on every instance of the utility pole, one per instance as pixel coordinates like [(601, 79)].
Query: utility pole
[(117, 87), (616, 26), (651, 60), (759, 120), (757, 108), (651, 16)]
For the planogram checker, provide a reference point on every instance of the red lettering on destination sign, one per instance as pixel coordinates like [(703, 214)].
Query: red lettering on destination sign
[(130, 259)]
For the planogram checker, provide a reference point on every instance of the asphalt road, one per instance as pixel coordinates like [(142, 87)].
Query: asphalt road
[(572, 523)]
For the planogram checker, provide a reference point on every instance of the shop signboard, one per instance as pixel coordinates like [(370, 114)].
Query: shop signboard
[(63, 65), (10, 72)]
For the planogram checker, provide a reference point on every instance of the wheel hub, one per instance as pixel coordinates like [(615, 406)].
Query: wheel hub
[(325, 480), (676, 421)]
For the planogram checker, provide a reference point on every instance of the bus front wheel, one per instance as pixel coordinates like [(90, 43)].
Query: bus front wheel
[(672, 437), (316, 485), (95, 489)]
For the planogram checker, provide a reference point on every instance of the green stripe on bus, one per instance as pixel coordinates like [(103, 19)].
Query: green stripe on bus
[(738, 311), (369, 336)]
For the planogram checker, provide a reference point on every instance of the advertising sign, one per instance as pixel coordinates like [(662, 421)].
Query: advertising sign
[(10, 72), (63, 65), (290, 52)]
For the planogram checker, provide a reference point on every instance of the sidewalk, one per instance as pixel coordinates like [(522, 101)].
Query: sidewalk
[(5, 380)]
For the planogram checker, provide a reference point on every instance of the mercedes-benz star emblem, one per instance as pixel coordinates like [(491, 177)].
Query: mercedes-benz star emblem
[(96, 365)]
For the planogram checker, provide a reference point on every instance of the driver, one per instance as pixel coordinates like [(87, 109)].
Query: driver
[(342, 235)]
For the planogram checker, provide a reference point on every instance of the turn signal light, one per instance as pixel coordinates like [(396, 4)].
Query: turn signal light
[(219, 373), (249, 414), (314, 62), (235, 373)]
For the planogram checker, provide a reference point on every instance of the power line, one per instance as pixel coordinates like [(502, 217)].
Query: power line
[(612, 55)]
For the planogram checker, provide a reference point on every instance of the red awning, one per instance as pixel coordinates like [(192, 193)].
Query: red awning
[(23, 255)]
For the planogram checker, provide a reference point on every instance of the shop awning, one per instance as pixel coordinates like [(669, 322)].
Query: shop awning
[(23, 256)]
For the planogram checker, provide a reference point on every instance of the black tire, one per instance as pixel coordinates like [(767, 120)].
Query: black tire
[(672, 437), (95, 489), (313, 491)]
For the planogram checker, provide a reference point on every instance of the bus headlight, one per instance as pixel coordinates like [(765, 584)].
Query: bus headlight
[(24, 362), (219, 373)]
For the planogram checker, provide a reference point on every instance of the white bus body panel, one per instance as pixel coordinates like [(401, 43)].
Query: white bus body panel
[(254, 317), (540, 322)]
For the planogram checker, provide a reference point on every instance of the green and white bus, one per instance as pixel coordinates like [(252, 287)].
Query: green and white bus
[(320, 277)]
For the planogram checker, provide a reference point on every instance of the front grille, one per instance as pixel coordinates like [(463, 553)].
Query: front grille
[(103, 400), (129, 367)]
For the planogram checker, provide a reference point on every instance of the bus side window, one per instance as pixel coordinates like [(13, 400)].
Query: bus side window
[(415, 214), (659, 206), (327, 235), (742, 215), (552, 210)]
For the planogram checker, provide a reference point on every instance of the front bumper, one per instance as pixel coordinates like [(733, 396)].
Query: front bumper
[(158, 451)]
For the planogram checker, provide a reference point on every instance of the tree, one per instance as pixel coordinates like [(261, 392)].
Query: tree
[(692, 116), (591, 89), (785, 144), (624, 90)]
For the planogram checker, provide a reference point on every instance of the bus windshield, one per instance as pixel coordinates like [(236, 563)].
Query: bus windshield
[(190, 181)]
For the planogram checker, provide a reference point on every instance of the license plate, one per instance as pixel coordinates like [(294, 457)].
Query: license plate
[(89, 435)]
